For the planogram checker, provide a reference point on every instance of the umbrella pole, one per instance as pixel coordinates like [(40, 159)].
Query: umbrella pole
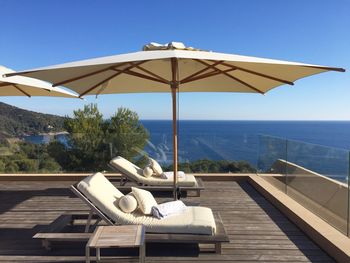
[(173, 94), (174, 87)]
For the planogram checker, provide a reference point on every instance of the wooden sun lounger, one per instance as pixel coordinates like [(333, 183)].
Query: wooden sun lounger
[(126, 182), (54, 231), (125, 185)]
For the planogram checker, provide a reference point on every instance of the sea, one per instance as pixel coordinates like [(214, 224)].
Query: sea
[(322, 146)]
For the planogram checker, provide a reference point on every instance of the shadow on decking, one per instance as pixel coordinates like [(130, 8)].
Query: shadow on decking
[(10, 199), (19, 241), (300, 240)]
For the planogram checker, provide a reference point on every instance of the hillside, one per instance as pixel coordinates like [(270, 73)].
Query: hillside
[(15, 122)]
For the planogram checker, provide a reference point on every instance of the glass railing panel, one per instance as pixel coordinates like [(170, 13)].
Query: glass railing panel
[(315, 176), (204, 152), (317, 179), (348, 221), (271, 161)]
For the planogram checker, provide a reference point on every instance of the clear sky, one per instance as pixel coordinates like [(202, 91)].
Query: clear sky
[(41, 33)]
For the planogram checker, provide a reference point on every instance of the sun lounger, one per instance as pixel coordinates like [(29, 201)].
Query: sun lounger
[(195, 225), (133, 173), (103, 194)]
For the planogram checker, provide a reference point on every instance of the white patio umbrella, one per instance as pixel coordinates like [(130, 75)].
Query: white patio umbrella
[(24, 86), (173, 68)]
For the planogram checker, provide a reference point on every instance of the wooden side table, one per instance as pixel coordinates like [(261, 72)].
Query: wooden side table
[(127, 236)]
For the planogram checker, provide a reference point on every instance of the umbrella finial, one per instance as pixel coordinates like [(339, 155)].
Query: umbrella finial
[(176, 45), (168, 46)]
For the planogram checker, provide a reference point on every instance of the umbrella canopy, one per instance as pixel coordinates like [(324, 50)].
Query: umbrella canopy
[(172, 68), (152, 71), (24, 86)]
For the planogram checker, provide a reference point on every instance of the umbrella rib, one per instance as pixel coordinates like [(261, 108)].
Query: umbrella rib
[(259, 74), (136, 74), (18, 88), (83, 76), (98, 84), (235, 78), (207, 75), (245, 83), (110, 77), (140, 75), (200, 71), (152, 74), (5, 84), (326, 68)]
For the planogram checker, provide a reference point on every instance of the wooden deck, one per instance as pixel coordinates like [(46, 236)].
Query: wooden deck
[(258, 231)]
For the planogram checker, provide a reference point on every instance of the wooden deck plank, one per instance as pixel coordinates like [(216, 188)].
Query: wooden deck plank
[(258, 232)]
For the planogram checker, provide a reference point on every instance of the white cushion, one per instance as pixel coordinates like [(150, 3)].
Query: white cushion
[(155, 166), (127, 203), (147, 171), (194, 220), (136, 173), (145, 200), (102, 194)]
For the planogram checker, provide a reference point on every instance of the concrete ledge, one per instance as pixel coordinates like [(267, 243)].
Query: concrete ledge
[(80, 176), (50, 177), (224, 177), (328, 238)]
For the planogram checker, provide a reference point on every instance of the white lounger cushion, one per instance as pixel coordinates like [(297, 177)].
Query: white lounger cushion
[(147, 172), (136, 174), (127, 203), (155, 166), (101, 192), (145, 200)]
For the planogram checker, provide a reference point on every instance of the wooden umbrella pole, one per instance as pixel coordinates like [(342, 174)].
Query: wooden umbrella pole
[(174, 87), (173, 93)]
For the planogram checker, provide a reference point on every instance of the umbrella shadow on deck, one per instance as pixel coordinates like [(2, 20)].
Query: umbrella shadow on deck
[(291, 231), (9, 199)]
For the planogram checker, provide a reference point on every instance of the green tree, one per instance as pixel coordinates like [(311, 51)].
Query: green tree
[(27, 165), (11, 167), (59, 152), (2, 166), (125, 135), (85, 139), (49, 165), (93, 142)]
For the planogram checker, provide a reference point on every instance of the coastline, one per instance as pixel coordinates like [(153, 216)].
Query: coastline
[(50, 133)]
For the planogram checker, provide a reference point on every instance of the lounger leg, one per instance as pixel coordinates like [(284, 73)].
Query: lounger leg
[(71, 220), (98, 254), (87, 227), (218, 248), (87, 254), (46, 244), (142, 254), (123, 180)]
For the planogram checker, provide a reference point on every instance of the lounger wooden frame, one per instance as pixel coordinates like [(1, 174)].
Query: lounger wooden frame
[(52, 233), (124, 184)]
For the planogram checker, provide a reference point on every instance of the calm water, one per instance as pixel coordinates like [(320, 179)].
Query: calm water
[(242, 140), (239, 140)]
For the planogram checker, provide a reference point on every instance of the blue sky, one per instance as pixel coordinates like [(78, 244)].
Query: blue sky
[(41, 33)]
